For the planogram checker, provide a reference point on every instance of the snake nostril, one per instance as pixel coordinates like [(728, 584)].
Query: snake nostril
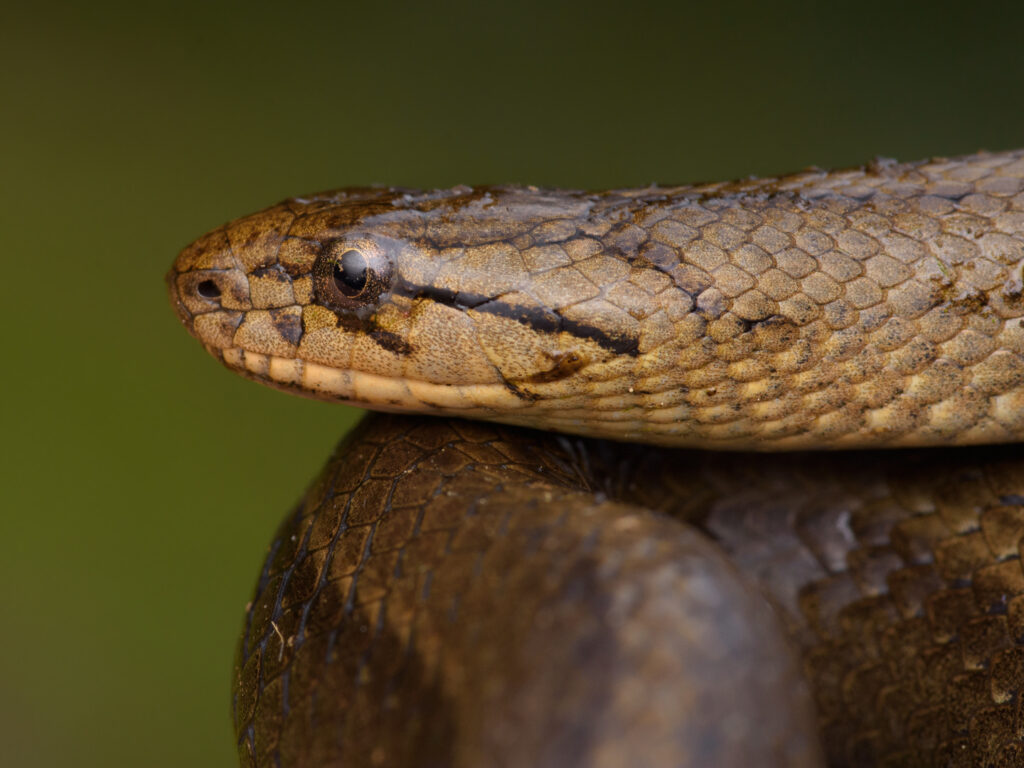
[(208, 289)]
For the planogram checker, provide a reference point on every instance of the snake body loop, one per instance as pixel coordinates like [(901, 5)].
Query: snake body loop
[(452, 593)]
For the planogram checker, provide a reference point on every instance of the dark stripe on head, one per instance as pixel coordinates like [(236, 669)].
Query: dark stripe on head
[(392, 342), (538, 318)]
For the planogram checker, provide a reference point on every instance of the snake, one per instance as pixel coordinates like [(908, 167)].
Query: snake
[(721, 474)]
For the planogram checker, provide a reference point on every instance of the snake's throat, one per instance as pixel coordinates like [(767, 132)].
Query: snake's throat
[(502, 404)]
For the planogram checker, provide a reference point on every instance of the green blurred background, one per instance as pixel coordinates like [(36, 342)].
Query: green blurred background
[(143, 481)]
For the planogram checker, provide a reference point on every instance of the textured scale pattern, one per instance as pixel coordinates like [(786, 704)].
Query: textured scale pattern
[(426, 547), (880, 305), (899, 574), (445, 572)]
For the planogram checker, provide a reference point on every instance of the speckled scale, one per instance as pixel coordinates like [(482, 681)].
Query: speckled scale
[(550, 573)]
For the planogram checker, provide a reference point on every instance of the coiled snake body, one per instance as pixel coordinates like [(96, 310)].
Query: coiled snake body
[(456, 593)]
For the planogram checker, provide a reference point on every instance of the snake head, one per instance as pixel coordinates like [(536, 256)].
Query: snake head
[(860, 308), (455, 301)]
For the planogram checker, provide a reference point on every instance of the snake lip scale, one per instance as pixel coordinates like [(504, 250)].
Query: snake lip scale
[(632, 584)]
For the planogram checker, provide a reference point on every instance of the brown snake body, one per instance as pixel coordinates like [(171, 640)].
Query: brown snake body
[(454, 593)]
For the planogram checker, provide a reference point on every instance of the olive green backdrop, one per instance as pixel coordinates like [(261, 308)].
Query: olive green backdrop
[(141, 481)]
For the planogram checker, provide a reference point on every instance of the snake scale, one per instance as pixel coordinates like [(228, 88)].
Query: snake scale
[(608, 592)]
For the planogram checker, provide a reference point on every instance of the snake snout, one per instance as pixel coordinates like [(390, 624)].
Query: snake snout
[(171, 280), (209, 291)]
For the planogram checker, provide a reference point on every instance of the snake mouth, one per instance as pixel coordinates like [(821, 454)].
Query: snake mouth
[(370, 390)]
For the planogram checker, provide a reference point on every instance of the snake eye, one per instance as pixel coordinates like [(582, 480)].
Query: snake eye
[(350, 275)]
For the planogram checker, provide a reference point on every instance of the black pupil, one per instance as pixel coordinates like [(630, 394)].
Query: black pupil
[(350, 273), (208, 289)]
